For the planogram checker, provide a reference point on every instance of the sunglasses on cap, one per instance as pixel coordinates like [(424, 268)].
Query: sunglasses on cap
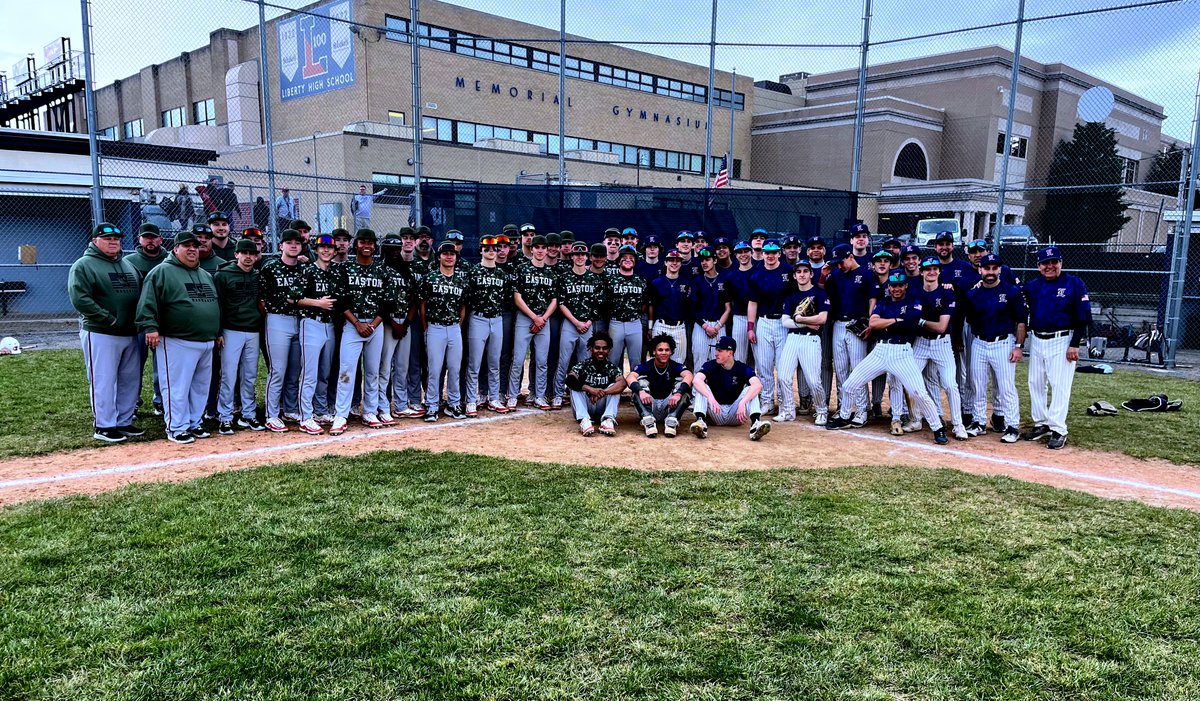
[(106, 231), (489, 241), (979, 244), (256, 233)]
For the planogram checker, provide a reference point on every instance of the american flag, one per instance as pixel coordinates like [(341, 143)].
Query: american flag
[(722, 178)]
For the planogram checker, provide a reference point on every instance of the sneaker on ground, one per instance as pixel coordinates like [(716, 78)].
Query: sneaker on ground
[(455, 412), (939, 436), (130, 431), (858, 421), (767, 408), (651, 426), (998, 423), (275, 425), (109, 435), (225, 428), (976, 429), (183, 438), (417, 410), (291, 418), (822, 418), (699, 428), (670, 427), (311, 427), (586, 428), (837, 423), (472, 411), (338, 427), (608, 426), (960, 433), (431, 418), (252, 423), (387, 419), (158, 411), (759, 429), (1037, 433), (410, 413), (557, 403), (1057, 440), (783, 416), (897, 428), (199, 432), (806, 406), (540, 403), (876, 411), (1011, 435), (371, 421), (512, 404), (498, 407)]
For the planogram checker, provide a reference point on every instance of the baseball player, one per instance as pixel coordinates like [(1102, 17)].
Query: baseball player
[(612, 246), (894, 321), (668, 305), (276, 279), (180, 315), (148, 254), (970, 278), (104, 289), (661, 389), (596, 385), (341, 243), (685, 241), (629, 237), (791, 250), (534, 297), (768, 286), (1059, 315), (814, 248), (723, 248), (507, 265), (222, 247), (882, 263), (487, 288), (443, 310), (737, 284), (805, 311), (400, 313), (860, 242), (315, 294), (600, 267), (957, 273), (578, 292), (360, 293), (849, 288), (932, 348), (710, 307), (726, 394), (527, 232), (626, 293), (650, 267), (758, 238), (209, 262), (241, 325), (995, 312)]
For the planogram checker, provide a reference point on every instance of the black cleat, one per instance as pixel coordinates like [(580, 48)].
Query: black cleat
[(939, 436), (1037, 433), (998, 423), (1057, 440), (836, 423), (130, 431), (199, 432), (183, 438), (109, 435), (226, 428), (455, 413)]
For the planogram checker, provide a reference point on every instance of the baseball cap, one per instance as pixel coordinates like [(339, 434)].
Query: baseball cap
[(685, 234), (910, 248), (1049, 253), (447, 246), (324, 240), (528, 227), (455, 235), (579, 247), (726, 343), (245, 246), (627, 251), (389, 240), (879, 255), (340, 233), (612, 233), (891, 241), (566, 236), (252, 233), (651, 240), (201, 230), (741, 246), (365, 235), (423, 231), (791, 240), (803, 263), (184, 237), (673, 255), (931, 262), (944, 236), (815, 241), (757, 233), (842, 250), (148, 229), (404, 231), (989, 259), (706, 252), (217, 216), (771, 246), (290, 235), (509, 228), (629, 231), (538, 240), (859, 229), (720, 241), (299, 224), (598, 249), (548, 240), (977, 245), (898, 278)]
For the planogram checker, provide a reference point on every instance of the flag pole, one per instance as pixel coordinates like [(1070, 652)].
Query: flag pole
[(712, 57), (732, 114)]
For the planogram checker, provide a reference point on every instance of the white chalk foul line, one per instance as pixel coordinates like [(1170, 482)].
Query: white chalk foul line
[(1086, 476), (369, 434)]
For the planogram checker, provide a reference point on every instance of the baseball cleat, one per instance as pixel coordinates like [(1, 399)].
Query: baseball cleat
[(1037, 433), (311, 427), (759, 429), (455, 412), (998, 423), (670, 427), (275, 425), (226, 428), (1057, 440), (291, 418), (976, 429), (158, 410), (806, 406), (431, 417), (472, 411), (699, 429), (356, 410), (252, 423), (858, 421), (199, 432), (876, 412), (939, 436), (130, 431), (781, 417), (417, 409), (372, 421), (897, 428), (387, 419), (651, 427), (183, 438), (498, 407), (608, 426), (586, 428), (960, 433), (556, 403), (109, 435), (338, 427), (912, 426), (512, 404), (767, 408), (540, 403), (323, 419), (409, 413), (822, 418), (1011, 435), (836, 423)]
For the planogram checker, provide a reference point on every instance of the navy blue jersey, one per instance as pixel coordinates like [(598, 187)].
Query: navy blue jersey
[(737, 284), (649, 271), (726, 385), (849, 292), (934, 303), (659, 383), (907, 310), (864, 261), (691, 268), (1059, 305), (768, 287), (669, 298), (971, 276), (994, 311), (708, 297), (958, 273), (794, 297)]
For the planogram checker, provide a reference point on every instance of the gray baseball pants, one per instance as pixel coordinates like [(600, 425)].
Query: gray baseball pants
[(114, 372)]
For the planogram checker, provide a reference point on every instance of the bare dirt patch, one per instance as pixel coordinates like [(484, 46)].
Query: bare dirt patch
[(553, 437)]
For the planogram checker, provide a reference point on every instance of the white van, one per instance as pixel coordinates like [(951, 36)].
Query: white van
[(928, 229)]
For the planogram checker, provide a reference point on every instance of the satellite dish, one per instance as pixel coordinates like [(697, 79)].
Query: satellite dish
[(1095, 104)]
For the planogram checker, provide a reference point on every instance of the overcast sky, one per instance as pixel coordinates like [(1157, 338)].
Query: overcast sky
[(1151, 51)]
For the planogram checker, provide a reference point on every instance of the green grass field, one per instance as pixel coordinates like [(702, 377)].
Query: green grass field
[(44, 408), (410, 575)]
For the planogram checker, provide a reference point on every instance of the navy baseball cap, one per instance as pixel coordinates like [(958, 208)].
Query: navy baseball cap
[(612, 233), (673, 255), (629, 231), (842, 250), (944, 236), (1049, 253), (989, 259), (598, 250), (891, 241), (741, 246), (859, 228), (651, 240), (758, 232), (720, 241), (803, 263), (685, 234), (791, 240), (700, 235), (931, 262), (706, 252), (627, 251), (726, 343), (910, 248), (816, 241), (771, 246), (897, 278)]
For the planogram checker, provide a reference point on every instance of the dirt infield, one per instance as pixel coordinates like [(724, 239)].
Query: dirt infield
[(553, 437)]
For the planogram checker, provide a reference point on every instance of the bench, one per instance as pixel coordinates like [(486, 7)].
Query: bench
[(9, 289)]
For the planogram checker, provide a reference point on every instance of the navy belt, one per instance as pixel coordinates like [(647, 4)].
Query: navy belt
[(844, 318), (671, 322), (894, 341), (804, 332), (993, 339), (1052, 334), (772, 316)]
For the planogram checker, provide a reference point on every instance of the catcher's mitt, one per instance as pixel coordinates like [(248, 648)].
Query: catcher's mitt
[(1101, 408), (806, 307), (857, 327)]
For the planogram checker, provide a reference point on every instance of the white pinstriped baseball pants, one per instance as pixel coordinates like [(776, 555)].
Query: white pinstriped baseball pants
[(803, 351), (991, 357), (702, 345), (848, 352), (767, 353), (677, 332), (935, 359), (896, 358), (739, 331), (1050, 371)]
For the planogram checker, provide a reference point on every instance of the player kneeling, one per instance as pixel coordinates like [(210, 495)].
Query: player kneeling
[(661, 388), (596, 385), (727, 394)]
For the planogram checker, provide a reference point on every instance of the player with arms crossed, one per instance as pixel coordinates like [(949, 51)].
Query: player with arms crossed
[(661, 388), (727, 394)]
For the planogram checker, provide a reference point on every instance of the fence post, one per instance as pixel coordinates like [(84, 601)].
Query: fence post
[(1008, 125), (1174, 330), (418, 120), (562, 93), (860, 105), (264, 82), (89, 98)]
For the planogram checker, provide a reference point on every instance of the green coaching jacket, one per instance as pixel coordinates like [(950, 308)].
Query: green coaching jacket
[(179, 302), (105, 293)]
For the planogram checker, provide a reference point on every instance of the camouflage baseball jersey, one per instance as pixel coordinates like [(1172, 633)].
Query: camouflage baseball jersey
[(536, 286), (509, 268), (314, 283), (582, 294), (400, 294), (626, 296), (596, 374), (443, 296), (486, 290), (360, 288), (275, 283)]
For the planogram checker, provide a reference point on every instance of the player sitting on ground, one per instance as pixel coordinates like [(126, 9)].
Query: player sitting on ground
[(596, 385), (662, 388), (727, 394)]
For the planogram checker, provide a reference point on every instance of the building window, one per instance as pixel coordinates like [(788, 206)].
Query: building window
[(109, 133), (1129, 171), (910, 163), (204, 112), (397, 29), (173, 118), (395, 117), (132, 129), (1018, 148)]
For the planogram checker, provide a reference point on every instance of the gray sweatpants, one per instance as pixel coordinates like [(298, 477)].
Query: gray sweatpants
[(239, 373), (659, 409), (486, 333), (316, 358), (444, 349), (572, 348), (538, 360), (186, 367), (114, 372)]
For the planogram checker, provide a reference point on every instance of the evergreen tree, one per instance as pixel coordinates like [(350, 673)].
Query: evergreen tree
[(1163, 177), (1089, 208)]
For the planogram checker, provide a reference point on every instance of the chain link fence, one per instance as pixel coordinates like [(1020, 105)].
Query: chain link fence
[(337, 128)]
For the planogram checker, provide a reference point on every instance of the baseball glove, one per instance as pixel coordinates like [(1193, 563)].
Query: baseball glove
[(806, 307), (857, 327), (1101, 408)]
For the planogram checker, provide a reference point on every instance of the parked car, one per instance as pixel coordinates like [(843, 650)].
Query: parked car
[(928, 229), (1015, 235)]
